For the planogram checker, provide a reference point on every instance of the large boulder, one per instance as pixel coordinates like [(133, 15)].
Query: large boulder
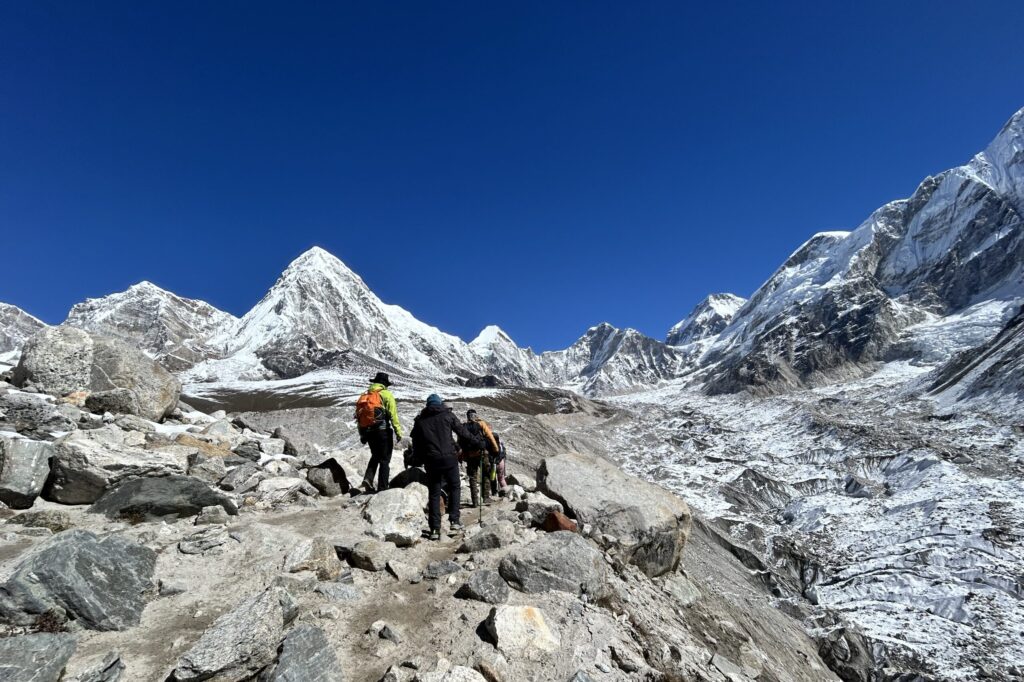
[(396, 514), (521, 632), (24, 466), (649, 523), (557, 561), (241, 642), (88, 463), (484, 585), (35, 658), (307, 656), (316, 555), (62, 360), (170, 496), (100, 584)]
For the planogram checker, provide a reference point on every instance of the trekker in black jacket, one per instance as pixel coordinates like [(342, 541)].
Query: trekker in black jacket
[(432, 442)]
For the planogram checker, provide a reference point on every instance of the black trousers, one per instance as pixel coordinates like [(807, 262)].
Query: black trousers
[(448, 478), (381, 446)]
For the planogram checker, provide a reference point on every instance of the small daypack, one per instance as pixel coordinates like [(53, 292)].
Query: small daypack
[(370, 412)]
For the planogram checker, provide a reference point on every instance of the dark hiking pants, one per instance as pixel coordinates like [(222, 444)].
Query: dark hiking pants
[(447, 478), (475, 467), (381, 446)]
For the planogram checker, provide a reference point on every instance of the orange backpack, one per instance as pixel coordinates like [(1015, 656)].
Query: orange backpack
[(370, 411)]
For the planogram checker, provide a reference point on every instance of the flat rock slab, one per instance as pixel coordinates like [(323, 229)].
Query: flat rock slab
[(557, 561), (650, 523), (24, 467), (89, 463), (372, 555), (307, 656), (149, 498), (439, 569), (240, 643), (101, 584), (35, 658)]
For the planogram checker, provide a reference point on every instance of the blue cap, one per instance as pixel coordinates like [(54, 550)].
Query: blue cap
[(434, 399)]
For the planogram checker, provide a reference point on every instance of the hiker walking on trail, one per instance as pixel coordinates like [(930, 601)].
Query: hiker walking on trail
[(377, 416), (478, 458), (433, 445)]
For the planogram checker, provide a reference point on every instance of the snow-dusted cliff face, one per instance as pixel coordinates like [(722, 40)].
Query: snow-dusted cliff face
[(171, 328), (497, 354), (15, 327), (708, 319), (841, 301), (609, 360)]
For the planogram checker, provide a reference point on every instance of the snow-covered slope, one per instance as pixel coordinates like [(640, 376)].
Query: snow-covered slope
[(842, 299), (15, 327), (707, 319), (173, 329)]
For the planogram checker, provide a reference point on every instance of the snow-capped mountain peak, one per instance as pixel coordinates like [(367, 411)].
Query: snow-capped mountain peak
[(172, 328), (491, 335), (16, 326), (707, 319)]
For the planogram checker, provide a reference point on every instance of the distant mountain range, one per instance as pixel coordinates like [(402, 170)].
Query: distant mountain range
[(936, 279)]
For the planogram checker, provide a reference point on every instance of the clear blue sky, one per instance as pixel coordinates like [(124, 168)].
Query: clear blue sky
[(543, 166)]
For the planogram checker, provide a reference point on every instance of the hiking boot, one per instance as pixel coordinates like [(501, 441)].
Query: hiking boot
[(435, 534), (456, 527), (368, 487)]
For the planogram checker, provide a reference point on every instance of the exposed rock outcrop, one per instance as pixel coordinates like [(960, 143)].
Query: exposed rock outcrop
[(648, 523)]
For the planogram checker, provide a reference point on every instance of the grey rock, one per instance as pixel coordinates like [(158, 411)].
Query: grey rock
[(486, 586), (371, 555), (88, 463), (307, 656), (24, 467), (538, 505), (397, 515), (213, 515), (316, 555), (328, 478), (581, 676), (110, 670), (339, 592), (61, 360), (131, 422), (280, 490), (170, 589), (521, 632), (294, 443), (557, 561), (54, 519), (650, 523), (121, 401), (35, 658), (178, 496), (404, 572), (241, 642), (206, 468), (101, 584), (439, 569), (249, 450), (204, 540), (501, 534), (16, 327), (36, 416), (242, 478)]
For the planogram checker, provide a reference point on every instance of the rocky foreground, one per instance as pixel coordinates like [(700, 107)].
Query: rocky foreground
[(143, 539)]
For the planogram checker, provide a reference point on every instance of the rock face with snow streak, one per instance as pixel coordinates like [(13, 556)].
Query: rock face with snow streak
[(16, 326), (499, 356), (706, 320), (607, 360), (173, 329)]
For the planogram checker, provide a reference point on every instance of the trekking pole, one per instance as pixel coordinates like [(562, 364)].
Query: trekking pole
[(480, 498)]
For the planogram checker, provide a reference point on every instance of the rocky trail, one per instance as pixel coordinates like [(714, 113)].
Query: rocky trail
[(142, 539)]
